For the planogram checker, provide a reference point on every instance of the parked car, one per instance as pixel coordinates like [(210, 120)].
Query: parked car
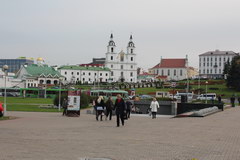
[(208, 96)]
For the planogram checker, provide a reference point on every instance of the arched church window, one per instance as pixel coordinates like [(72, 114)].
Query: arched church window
[(112, 49)]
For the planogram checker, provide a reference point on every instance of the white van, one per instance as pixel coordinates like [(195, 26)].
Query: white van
[(178, 95), (208, 96)]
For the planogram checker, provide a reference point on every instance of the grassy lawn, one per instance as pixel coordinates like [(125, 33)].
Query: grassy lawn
[(4, 118), (11, 100), (29, 108)]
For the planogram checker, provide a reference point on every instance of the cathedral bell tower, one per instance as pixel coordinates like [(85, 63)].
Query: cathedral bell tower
[(131, 46), (111, 45)]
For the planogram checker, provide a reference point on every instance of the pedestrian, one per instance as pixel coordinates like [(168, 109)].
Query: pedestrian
[(219, 99), (1, 109), (238, 101), (109, 108), (154, 107), (129, 108), (232, 99), (65, 106), (120, 109), (99, 103)]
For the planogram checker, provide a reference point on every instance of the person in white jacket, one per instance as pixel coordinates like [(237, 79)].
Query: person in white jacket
[(154, 107)]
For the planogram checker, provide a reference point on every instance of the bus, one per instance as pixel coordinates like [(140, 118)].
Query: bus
[(108, 93), (11, 92), (41, 93)]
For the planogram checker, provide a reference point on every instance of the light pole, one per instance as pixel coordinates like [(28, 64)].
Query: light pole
[(59, 99), (5, 68), (198, 84), (206, 92)]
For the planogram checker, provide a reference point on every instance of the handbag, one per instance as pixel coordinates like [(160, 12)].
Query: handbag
[(99, 108)]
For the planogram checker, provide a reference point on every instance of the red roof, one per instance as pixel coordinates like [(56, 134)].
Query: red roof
[(91, 65), (171, 63), (161, 77)]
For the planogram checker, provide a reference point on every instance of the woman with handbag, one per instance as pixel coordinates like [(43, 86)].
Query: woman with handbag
[(99, 103)]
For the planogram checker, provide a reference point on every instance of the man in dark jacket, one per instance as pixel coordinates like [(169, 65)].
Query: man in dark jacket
[(120, 109), (109, 108), (65, 105), (129, 108)]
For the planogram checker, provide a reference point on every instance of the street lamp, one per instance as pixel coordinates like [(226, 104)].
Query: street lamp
[(59, 99), (5, 68), (206, 92)]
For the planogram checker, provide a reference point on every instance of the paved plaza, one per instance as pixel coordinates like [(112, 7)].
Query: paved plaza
[(49, 136)]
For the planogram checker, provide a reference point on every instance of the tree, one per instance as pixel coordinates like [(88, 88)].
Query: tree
[(227, 66), (233, 75)]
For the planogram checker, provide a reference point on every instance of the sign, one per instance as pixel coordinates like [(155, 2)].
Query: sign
[(173, 84), (74, 100)]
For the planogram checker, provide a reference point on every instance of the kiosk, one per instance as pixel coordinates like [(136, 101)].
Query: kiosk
[(73, 108)]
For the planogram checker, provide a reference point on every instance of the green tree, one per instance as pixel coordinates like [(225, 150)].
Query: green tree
[(233, 75), (227, 67)]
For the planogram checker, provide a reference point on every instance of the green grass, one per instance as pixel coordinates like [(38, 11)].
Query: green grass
[(4, 118), (11, 100), (30, 108)]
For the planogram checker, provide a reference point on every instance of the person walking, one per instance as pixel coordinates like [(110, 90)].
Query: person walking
[(65, 105), (219, 99), (109, 108), (120, 109), (239, 101), (232, 99), (154, 107), (129, 108), (99, 107), (1, 109)]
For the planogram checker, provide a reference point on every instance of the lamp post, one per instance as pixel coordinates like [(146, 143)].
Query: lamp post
[(59, 99), (198, 84), (5, 68), (206, 92)]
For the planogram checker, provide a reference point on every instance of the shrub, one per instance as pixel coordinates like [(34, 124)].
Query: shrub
[(85, 100), (56, 99)]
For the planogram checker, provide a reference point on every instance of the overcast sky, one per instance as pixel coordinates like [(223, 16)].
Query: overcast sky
[(75, 31)]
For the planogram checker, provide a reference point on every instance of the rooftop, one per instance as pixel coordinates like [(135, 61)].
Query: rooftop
[(37, 70), (74, 67), (171, 63), (218, 53)]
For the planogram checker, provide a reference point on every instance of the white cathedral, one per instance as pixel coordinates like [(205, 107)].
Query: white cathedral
[(123, 66)]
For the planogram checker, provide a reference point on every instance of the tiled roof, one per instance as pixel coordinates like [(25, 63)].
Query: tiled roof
[(91, 65), (218, 53), (37, 70), (74, 67), (171, 63)]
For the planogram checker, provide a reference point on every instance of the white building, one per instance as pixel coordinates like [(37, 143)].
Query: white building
[(38, 75), (174, 69), (211, 63), (123, 65), (74, 74)]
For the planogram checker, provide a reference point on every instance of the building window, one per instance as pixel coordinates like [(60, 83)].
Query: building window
[(162, 72), (175, 72), (204, 64), (220, 59), (89, 79), (111, 57), (131, 74), (122, 74), (111, 66), (106, 74), (89, 73), (199, 71), (204, 59), (112, 73), (207, 59), (72, 73), (65, 78), (65, 73), (204, 71), (211, 71), (169, 72), (77, 73), (180, 72), (83, 79), (131, 50), (219, 63), (131, 66), (121, 66), (83, 73), (112, 49), (215, 71), (122, 57), (131, 80), (95, 74), (207, 71), (100, 74), (131, 58), (220, 72)]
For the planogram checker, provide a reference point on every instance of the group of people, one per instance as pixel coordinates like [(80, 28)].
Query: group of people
[(122, 109)]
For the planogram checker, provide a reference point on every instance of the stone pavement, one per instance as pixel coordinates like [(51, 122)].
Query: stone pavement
[(49, 136)]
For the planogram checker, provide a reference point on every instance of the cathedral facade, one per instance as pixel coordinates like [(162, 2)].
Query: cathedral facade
[(123, 65)]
